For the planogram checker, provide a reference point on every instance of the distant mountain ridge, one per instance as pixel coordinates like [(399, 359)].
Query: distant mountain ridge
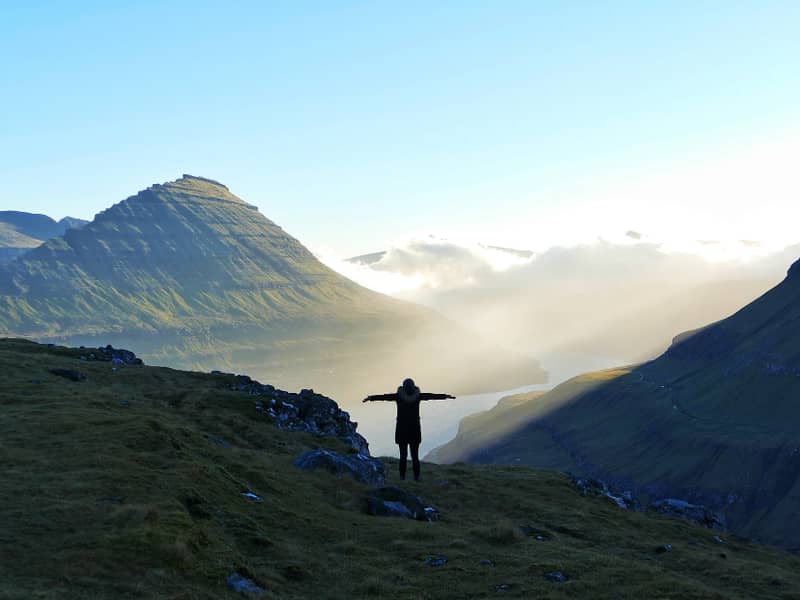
[(190, 275), (21, 231), (716, 418)]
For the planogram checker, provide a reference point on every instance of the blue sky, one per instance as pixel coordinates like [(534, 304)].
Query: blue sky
[(354, 123)]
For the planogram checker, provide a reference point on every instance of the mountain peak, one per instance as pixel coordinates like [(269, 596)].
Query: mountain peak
[(194, 187), (196, 178)]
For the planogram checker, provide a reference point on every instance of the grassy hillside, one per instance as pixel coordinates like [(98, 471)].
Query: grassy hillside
[(129, 485), (194, 277), (713, 420)]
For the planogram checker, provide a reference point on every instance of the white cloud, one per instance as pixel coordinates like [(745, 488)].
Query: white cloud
[(618, 299)]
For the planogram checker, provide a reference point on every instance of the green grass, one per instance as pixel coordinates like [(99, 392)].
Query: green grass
[(69, 451)]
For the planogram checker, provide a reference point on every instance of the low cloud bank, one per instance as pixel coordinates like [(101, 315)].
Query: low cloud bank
[(624, 299)]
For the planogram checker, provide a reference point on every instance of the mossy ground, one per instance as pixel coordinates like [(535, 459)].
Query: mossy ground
[(116, 487)]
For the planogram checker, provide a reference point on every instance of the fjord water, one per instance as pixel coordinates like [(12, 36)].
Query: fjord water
[(440, 419)]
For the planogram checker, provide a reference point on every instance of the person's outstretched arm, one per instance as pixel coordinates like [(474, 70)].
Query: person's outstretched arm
[(375, 397), (427, 396)]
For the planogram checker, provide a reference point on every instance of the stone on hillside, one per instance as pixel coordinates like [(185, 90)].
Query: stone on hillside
[(362, 468), (503, 587), (435, 561), (240, 583), (691, 512), (391, 501), (307, 411), (664, 549), (116, 356), (556, 577), (541, 535), (596, 487), (388, 508), (70, 374)]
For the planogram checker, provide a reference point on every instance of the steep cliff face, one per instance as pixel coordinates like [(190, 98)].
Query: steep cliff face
[(716, 418), (190, 275)]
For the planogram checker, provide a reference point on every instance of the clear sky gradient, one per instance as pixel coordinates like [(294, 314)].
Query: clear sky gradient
[(354, 123)]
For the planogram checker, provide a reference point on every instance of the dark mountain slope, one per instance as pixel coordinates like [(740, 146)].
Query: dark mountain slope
[(715, 419), (192, 276), (131, 484)]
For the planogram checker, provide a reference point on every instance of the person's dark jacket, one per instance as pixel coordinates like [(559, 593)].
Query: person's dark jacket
[(407, 430)]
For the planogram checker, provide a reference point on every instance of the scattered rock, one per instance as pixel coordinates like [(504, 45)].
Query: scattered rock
[(363, 468), (70, 374), (540, 535), (486, 563), (719, 540), (596, 487), (664, 549), (556, 577), (503, 587), (252, 496), (240, 583), (124, 403), (393, 501), (692, 512), (435, 561), (217, 441), (117, 356), (388, 508), (112, 499)]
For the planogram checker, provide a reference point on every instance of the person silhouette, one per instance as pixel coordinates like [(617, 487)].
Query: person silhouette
[(407, 432)]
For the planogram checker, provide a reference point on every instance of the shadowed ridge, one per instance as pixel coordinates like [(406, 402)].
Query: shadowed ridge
[(794, 271), (715, 420)]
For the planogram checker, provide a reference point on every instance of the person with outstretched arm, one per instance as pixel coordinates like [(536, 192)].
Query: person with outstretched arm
[(408, 431)]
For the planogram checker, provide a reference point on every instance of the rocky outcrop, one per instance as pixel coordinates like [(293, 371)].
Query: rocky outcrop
[(307, 411), (691, 512), (117, 356), (358, 466), (673, 507), (595, 487), (393, 501)]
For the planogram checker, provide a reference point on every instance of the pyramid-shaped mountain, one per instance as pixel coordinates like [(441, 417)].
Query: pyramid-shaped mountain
[(715, 419), (189, 275)]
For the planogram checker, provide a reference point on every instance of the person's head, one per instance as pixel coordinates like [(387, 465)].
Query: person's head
[(408, 386)]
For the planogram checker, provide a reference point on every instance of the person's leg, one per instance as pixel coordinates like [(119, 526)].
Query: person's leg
[(415, 460), (403, 458)]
